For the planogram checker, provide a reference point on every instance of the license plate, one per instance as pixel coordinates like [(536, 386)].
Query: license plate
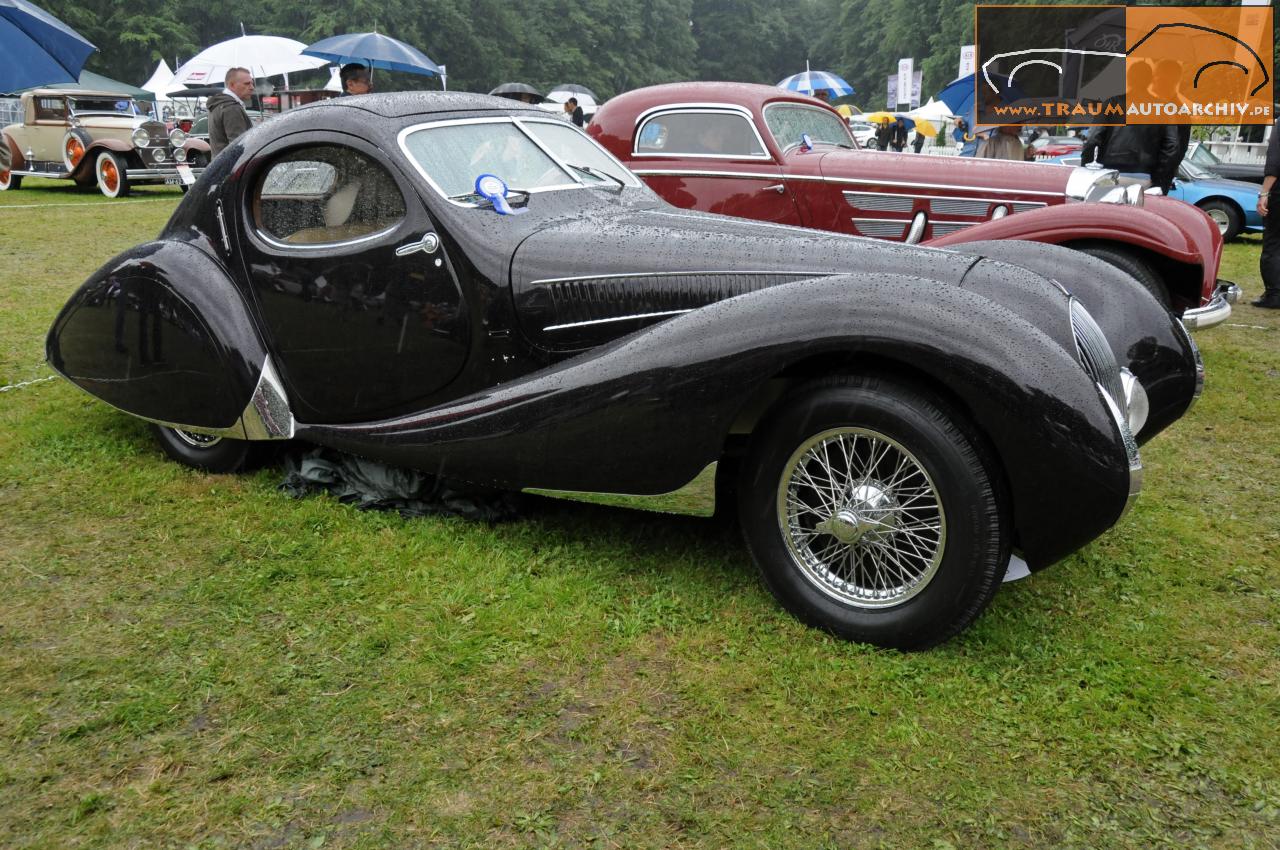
[(172, 180), (185, 175)]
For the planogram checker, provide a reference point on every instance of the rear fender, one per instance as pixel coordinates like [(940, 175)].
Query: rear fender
[(645, 414), (161, 332)]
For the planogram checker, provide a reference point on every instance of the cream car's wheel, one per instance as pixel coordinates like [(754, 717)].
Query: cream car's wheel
[(112, 179), (74, 144), (9, 180), (875, 511)]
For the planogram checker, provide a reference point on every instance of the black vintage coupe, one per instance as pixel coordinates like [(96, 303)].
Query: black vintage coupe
[(459, 284)]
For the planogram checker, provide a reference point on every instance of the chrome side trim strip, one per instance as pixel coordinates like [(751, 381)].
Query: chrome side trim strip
[(946, 198), (617, 319), (696, 498), (674, 172), (681, 273), (953, 187)]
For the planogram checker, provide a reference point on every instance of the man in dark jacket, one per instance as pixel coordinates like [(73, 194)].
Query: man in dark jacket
[(574, 111), (1268, 199), (898, 135), (227, 118), (1136, 150), (355, 79)]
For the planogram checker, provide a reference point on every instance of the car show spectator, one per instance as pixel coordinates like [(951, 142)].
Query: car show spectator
[(898, 135), (917, 143), (1003, 143), (964, 137), (1135, 150), (356, 79), (1164, 86), (1269, 262), (574, 111), (228, 119)]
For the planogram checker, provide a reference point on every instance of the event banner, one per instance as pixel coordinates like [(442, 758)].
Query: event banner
[(1109, 65)]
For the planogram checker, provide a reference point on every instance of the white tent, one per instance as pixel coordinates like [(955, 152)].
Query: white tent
[(335, 81), (263, 55), (935, 111), (161, 80)]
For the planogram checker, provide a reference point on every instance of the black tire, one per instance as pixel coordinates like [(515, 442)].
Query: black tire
[(1136, 267), (1226, 216), (212, 454), (111, 173), (928, 496)]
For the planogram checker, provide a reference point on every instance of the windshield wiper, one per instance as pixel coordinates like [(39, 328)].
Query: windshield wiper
[(598, 174)]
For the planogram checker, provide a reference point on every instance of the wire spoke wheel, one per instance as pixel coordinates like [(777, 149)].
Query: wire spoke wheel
[(861, 517), (197, 441)]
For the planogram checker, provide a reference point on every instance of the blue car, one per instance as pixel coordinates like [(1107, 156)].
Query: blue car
[(1232, 204)]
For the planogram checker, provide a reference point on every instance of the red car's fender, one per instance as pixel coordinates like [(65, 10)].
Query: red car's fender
[(1173, 243)]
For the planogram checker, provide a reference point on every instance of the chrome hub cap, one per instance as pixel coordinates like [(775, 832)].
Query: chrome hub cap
[(197, 441), (1220, 218), (861, 518)]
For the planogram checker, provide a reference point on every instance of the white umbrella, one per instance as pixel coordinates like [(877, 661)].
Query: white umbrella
[(935, 111), (263, 55), (585, 99)]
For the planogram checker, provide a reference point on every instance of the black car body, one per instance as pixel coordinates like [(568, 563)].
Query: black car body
[(897, 420)]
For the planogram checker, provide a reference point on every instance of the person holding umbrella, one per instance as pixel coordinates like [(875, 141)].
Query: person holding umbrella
[(355, 79)]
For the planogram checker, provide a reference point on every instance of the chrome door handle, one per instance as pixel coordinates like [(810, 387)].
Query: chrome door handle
[(428, 243), (777, 187)]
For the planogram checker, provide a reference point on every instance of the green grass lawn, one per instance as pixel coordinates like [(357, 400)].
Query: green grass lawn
[(198, 660)]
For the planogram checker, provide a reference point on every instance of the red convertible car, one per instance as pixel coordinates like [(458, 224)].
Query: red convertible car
[(763, 153)]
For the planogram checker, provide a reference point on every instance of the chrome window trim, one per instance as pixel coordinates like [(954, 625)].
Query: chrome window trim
[(626, 177), (320, 246), (698, 109), (791, 104)]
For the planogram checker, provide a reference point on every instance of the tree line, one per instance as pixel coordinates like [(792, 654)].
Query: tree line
[(610, 46)]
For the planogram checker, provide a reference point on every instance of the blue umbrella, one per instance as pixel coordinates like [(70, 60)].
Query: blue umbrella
[(808, 82), (959, 94), (374, 50), (37, 47)]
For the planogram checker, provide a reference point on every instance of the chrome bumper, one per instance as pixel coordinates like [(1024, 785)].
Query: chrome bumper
[(1216, 311), (136, 174)]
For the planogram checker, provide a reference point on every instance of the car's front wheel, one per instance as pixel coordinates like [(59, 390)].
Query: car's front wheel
[(203, 451), (9, 180), (74, 145), (875, 511), (1136, 267), (113, 180), (1226, 216)]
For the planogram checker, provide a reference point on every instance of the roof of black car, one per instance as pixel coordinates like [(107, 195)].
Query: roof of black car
[(400, 104)]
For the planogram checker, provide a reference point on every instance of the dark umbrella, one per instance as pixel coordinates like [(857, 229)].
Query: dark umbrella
[(374, 50), (37, 47), (518, 91)]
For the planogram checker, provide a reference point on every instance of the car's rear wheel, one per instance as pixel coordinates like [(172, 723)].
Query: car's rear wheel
[(1226, 216), (1136, 267), (74, 144), (203, 451), (875, 511), (9, 180), (113, 181)]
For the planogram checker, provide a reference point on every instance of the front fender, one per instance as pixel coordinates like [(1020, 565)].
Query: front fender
[(1063, 223), (1144, 336), (647, 413), (162, 333)]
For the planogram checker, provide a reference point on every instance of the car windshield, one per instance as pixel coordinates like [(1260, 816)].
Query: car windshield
[(576, 150), (114, 105), (1201, 155), (452, 155), (1195, 172), (788, 122)]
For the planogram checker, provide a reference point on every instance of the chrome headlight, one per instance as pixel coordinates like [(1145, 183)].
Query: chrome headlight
[(141, 138), (158, 154), (179, 155), (177, 137), (1135, 400), (1102, 186)]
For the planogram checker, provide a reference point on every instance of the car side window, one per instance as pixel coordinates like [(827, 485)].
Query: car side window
[(726, 134), (51, 109), (325, 194)]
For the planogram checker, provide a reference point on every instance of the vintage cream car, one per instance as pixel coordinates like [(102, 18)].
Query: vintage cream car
[(96, 137)]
